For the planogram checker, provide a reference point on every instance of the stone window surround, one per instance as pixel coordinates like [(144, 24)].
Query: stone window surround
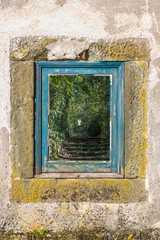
[(134, 52)]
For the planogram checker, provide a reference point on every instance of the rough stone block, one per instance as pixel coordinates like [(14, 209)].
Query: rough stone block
[(136, 142), (22, 118)]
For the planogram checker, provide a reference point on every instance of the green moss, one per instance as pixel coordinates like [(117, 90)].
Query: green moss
[(95, 234)]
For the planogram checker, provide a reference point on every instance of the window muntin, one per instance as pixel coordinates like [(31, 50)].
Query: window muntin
[(114, 71)]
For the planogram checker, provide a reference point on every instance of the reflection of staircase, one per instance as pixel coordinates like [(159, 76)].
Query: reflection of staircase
[(85, 148), (80, 130)]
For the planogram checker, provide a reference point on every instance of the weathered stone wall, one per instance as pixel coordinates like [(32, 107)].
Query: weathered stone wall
[(92, 31)]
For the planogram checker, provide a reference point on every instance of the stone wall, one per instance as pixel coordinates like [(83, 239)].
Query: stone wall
[(87, 31)]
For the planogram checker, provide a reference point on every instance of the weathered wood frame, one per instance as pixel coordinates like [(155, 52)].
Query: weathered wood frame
[(116, 69)]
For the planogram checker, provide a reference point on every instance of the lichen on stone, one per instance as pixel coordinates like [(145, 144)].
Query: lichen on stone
[(122, 50)]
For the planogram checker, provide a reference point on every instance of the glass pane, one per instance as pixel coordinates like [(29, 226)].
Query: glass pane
[(79, 117)]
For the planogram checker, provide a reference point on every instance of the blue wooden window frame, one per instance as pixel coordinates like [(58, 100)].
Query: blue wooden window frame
[(42, 72)]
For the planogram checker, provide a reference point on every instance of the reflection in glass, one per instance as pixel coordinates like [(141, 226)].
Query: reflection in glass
[(79, 118)]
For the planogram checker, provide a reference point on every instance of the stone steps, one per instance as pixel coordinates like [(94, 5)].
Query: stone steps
[(85, 148), (82, 158)]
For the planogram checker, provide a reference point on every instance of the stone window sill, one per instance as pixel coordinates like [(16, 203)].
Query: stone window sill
[(78, 175)]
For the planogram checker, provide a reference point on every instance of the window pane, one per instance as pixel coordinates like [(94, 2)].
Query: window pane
[(79, 118)]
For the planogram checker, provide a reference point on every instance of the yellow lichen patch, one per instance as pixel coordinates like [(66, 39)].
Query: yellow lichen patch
[(53, 40), (72, 190), (98, 235), (119, 51), (39, 48), (19, 188), (20, 53), (143, 99), (15, 173), (45, 42), (130, 236)]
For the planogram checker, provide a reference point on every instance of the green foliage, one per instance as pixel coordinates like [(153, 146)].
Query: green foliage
[(38, 234), (77, 97), (43, 231)]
